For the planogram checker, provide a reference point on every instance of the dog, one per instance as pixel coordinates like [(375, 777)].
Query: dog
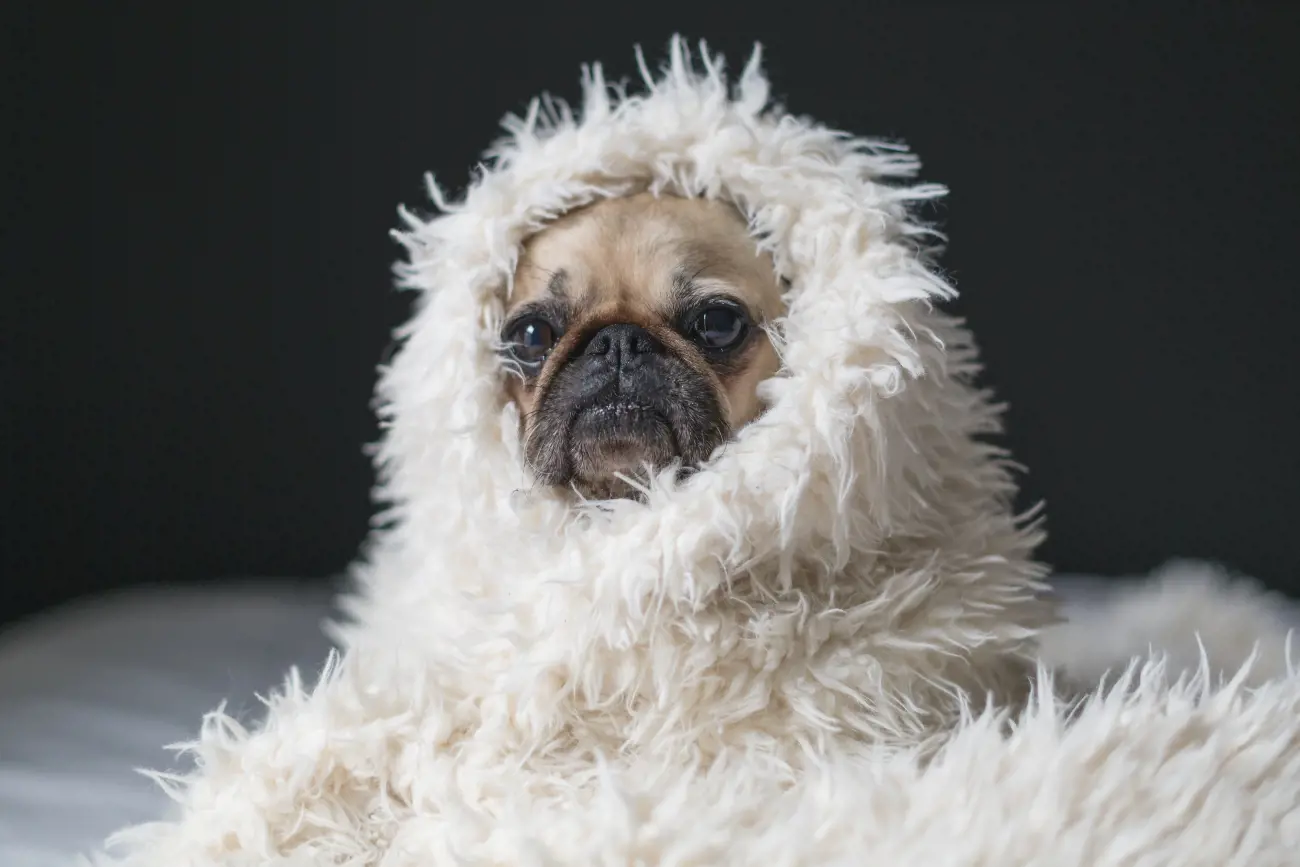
[(636, 335)]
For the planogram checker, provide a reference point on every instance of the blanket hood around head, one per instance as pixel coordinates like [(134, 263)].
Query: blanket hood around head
[(816, 650)]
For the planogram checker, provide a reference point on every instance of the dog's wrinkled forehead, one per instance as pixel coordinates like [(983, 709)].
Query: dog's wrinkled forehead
[(639, 255)]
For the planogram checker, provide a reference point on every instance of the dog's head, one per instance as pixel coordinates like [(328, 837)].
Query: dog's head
[(635, 333)]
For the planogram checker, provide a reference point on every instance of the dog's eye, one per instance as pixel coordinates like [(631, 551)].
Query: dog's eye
[(530, 341), (719, 327)]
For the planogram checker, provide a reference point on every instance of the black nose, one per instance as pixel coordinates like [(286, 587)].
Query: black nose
[(623, 343)]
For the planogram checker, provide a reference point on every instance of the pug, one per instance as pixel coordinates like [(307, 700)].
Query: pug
[(635, 338)]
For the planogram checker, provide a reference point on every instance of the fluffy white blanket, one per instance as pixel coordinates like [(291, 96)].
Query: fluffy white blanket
[(824, 648)]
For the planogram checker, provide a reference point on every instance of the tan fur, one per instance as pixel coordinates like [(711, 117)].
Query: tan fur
[(621, 256)]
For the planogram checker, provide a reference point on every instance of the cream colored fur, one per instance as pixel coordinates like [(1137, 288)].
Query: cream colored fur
[(811, 652)]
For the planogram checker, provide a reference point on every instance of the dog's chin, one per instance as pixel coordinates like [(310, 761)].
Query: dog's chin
[(604, 437), (614, 447)]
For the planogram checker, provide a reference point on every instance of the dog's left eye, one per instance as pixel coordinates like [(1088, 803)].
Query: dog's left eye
[(530, 341), (719, 327)]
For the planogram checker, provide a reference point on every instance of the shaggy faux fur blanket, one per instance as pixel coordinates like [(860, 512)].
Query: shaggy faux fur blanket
[(826, 647)]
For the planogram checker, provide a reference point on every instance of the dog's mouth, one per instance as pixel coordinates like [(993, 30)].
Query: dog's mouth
[(619, 412), (620, 436)]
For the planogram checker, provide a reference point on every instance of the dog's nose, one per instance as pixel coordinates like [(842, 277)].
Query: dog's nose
[(624, 343)]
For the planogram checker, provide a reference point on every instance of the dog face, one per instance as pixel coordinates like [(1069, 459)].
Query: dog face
[(634, 333)]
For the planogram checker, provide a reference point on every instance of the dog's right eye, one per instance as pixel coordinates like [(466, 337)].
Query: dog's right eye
[(530, 341)]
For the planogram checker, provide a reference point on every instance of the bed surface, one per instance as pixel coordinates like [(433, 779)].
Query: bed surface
[(91, 692)]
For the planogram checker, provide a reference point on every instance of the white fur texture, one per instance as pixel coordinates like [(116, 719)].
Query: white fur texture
[(811, 652), (1190, 614)]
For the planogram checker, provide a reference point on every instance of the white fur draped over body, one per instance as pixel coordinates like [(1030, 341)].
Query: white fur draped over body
[(820, 648)]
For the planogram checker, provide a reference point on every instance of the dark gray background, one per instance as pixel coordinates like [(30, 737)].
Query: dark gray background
[(196, 260)]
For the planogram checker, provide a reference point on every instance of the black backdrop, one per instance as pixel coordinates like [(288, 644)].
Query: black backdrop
[(196, 285)]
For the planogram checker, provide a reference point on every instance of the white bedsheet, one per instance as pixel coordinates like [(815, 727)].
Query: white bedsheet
[(91, 692)]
